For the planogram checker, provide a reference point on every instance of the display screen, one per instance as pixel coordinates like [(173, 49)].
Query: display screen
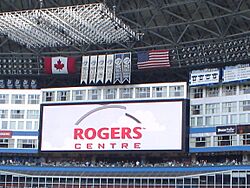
[(155, 125)]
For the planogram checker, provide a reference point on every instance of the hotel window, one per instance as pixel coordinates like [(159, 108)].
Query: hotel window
[(159, 92), (26, 143), (17, 99), (94, 94), (196, 93), (20, 125), (4, 98), (213, 108), (12, 125), (229, 107), (229, 119), (126, 93), (200, 142), (49, 96), (36, 125), (226, 140), (142, 92), (79, 95), (110, 93), (192, 122), (213, 91), (245, 89), (17, 114), (63, 95), (243, 118), (3, 114), (244, 105), (196, 109), (200, 121), (32, 114), (6, 143), (229, 90), (176, 91), (4, 125), (28, 125), (245, 139), (33, 99), (212, 120)]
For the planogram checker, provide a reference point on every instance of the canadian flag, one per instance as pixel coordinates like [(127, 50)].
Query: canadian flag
[(59, 65)]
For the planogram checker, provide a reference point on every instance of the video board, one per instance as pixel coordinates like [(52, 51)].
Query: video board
[(121, 126)]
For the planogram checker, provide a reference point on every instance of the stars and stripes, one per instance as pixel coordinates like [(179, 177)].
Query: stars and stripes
[(153, 59)]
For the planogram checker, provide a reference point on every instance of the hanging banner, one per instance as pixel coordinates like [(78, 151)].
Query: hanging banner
[(118, 68), (84, 70), (109, 68), (126, 67), (92, 71), (2, 84), (100, 69), (9, 84), (26, 84), (17, 84)]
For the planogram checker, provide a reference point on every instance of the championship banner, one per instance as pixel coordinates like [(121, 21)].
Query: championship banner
[(10, 84), (2, 84), (92, 72), (100, 69), (118, 68), (126, 67), (33, 84), (17, 84), (109, 68), (84, 70), (26, 84), (204, 77), (236, 73)]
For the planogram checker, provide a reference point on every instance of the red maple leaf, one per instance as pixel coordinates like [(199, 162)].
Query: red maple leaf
[(59, 65)]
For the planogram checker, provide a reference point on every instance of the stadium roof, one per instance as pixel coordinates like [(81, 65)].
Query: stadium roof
[(163, 23)]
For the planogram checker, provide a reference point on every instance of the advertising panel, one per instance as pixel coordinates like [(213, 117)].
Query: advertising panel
[(5, 134), (236, 73), (204, 77), (155, 125), (226, 129)]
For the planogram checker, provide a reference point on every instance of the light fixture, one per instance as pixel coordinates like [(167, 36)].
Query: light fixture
[(65, 26)]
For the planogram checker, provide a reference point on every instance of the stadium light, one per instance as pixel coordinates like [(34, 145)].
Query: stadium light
[(65, 26), (218, 52)]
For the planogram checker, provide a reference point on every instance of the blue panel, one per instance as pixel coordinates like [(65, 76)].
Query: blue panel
[(202, 130), (124, 169), (220, 149), (7, 150), (25, 133)]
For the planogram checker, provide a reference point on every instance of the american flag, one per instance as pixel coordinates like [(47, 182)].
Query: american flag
[(153, 59)]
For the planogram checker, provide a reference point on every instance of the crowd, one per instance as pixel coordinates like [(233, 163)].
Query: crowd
[(137, 163)]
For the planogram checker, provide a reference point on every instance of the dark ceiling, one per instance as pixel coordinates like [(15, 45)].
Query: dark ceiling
[(165, 23), (197, 32)]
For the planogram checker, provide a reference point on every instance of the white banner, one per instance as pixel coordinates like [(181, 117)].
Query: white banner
[(109, 68), (100, 69), (118, 68), (84, 70), (236, 73), (126, 67), (92, 71), (117, 126), (204, 77)]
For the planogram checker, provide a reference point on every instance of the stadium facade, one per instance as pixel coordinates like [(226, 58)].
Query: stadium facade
[(214, 147)]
